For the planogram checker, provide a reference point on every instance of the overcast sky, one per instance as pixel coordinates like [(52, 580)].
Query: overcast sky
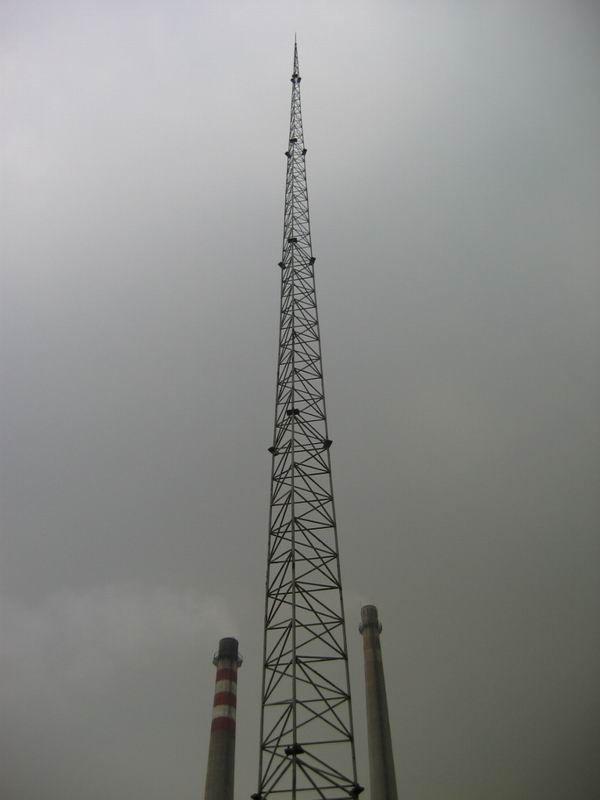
[(454, 177)]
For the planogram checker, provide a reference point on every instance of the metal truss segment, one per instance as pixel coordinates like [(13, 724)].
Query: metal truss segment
[(307, 742)]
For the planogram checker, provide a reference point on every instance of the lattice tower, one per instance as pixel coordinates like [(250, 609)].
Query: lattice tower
[(307, 740)]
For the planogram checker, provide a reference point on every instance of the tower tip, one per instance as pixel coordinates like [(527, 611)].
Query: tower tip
[(296, 71)]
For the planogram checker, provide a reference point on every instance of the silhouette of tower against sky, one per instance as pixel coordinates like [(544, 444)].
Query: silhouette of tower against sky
[(306, 733)]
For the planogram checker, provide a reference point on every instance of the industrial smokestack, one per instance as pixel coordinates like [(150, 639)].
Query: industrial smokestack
[(381, 757), (221, 753)]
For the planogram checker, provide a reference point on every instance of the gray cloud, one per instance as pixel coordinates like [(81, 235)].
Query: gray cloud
[(74, 638), (454, 174)]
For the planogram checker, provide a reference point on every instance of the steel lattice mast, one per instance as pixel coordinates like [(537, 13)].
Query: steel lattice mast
[(307, 742)]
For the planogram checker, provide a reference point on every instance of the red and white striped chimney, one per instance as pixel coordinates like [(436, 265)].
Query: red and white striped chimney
[(221, 752)]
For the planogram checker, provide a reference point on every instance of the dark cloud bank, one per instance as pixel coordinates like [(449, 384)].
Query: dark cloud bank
[(454, 172)]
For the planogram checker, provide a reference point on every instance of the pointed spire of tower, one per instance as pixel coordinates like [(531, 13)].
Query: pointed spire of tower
[(296, 72), (306, 735)]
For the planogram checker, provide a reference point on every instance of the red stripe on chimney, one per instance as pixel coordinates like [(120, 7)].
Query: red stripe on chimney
[(226, 674), (223, 724), (225, 699)]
